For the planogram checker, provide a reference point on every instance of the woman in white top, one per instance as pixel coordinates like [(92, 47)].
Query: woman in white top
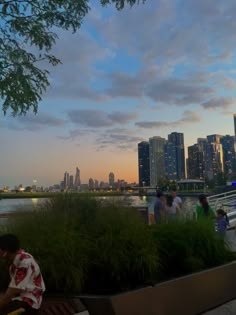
[(171, 208)]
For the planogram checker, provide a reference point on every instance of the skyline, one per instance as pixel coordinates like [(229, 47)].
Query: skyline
[(122, 82)]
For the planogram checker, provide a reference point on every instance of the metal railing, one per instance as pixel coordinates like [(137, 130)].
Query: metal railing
[(227, 202)]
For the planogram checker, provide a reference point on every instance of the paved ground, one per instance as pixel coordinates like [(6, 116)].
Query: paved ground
[(228, 308), (231, 239)]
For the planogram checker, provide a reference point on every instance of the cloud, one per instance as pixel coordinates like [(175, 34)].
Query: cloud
[(188, 117), (118, 141), (36, 122), (178, 92), (74, 134), (219, 102), (99, 118), (176, 38)]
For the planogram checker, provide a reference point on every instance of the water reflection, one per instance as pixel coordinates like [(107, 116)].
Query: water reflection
[(9, 205)]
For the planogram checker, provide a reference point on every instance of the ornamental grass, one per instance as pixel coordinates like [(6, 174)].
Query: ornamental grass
[(90, 245)]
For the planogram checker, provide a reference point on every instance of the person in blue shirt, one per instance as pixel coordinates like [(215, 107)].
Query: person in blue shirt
[(159, 207), (222, 222)]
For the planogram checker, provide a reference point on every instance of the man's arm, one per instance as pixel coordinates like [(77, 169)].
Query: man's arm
[(8, 296)]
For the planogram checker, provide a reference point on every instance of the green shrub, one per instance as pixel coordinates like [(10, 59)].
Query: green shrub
[(87, 245), (186, 247)]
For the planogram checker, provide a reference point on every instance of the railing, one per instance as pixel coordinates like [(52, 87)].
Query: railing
[(227, 202)]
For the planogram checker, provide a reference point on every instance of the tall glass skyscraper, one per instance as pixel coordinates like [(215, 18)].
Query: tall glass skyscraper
[(235, 126), (157, 162), (143, 164), (196, 161), (111, 178), (176, 139), (229, 157), (77, 183)]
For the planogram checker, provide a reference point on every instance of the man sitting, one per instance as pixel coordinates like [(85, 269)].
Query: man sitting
[(26, 285)]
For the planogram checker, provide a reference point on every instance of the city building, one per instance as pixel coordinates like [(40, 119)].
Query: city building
[(143, 164), (111, 180), (229, 157), (170, 161), (214, 157), (156, 156), (77, 182), (196, 162), (66, 180), (175, 156), (235, 126), (71, 181), (91, 184)]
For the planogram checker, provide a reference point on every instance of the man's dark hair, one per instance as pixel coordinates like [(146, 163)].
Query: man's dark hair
[(9, 242)]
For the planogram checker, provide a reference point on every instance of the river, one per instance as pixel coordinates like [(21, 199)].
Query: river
[(10, 205)]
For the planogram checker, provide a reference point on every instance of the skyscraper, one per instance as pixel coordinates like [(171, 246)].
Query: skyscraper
[(235, 126), (71, 181), (214, 160), (66, 180), (170, 161), (229, 157), (196, 161), (143, 164), (77, 183), (156, 156), (91, 184), (111, 179), (178, 158)]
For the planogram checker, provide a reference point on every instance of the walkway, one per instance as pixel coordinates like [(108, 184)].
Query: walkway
[(225, 309), (230, 307)]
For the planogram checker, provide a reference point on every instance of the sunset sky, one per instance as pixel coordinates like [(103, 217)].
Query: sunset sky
[(165, 66)]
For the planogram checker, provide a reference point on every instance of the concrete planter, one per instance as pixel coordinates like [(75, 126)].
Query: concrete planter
[(189, 295)]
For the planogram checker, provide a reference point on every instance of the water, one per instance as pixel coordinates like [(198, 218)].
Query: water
[(10, 205)]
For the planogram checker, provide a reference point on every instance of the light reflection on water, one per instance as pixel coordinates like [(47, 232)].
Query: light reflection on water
[(9, 205)]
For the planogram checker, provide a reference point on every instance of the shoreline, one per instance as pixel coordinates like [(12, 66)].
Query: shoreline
[(21, 195)]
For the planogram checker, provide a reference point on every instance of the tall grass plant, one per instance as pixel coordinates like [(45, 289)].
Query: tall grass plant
[(90, 245)]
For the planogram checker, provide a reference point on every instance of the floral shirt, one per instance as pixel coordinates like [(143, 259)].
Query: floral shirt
[(25, 275)]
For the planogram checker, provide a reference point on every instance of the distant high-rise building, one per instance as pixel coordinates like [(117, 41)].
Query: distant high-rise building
[(156, 156), (143, 164), (71, 181), (111, 179), (96, 185), (77, 182), (176, 155), (214, 138), (91, 184), (66, 180), (170, 161), (229, 157), (214, 160), (196, 162), (235, 126)]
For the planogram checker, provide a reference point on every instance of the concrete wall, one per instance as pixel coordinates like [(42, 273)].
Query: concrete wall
[(188, 295)]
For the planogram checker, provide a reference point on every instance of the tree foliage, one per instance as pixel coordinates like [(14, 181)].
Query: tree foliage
[(27, 35)]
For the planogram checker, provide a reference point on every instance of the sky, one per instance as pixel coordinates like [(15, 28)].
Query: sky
[(160, 67)]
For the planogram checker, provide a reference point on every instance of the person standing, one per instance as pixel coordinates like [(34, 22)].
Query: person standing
[(176, 199), (222, 222), (159, 207), (203, 209), (171, 208), (26, 285)]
